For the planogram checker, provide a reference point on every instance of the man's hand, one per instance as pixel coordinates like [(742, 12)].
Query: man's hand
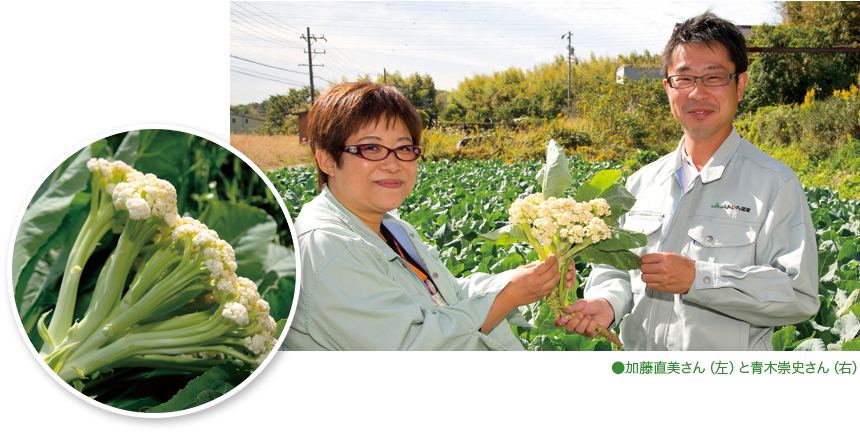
[(667, 272), (587, 314)]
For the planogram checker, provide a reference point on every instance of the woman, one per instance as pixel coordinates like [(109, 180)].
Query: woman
[(368, 282)]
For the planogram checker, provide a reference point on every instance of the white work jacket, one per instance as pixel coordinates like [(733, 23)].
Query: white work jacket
[(358, 294), (746, 223)]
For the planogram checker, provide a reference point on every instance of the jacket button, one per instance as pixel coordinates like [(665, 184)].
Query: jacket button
[(412, 235), (435, 275), (709, 239), (706, 280), (404, 266)]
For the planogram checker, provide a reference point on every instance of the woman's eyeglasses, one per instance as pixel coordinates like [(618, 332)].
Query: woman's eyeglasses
[(374, 152)]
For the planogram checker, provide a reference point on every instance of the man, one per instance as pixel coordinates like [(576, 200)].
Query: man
[(731, 247)]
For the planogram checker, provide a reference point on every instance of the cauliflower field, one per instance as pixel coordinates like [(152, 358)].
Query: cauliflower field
[(453, 203)]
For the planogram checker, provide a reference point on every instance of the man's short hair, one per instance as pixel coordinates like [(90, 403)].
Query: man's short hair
[(344, 109), (707, 29)]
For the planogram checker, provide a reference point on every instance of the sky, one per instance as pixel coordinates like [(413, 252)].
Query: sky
[(447, 40)]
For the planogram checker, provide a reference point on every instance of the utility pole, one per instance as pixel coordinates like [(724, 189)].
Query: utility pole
[(384, 76), (310, 63), (569, 56)]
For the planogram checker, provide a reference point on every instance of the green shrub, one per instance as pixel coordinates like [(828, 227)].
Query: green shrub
[(517, 143), (624, 118)]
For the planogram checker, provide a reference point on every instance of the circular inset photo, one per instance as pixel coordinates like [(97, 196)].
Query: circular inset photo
[(153, 271)]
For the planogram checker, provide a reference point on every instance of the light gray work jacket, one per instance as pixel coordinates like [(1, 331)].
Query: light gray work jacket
[(746, 223), (358, 294)]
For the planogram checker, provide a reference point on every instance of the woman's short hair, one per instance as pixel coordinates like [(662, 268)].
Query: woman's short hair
[(707, 29), (344, 109)]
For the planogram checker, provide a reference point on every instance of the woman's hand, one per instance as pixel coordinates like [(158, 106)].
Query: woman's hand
[(532, 282), (569, 276), (529, 283)]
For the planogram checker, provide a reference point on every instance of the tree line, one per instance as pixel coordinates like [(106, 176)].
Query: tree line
[(542, 91)]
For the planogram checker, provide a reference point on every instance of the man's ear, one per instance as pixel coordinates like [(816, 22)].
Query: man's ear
[(325, 162), (742, 84)]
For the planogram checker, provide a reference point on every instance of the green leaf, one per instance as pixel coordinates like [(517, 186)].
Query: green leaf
[(795, 344), (165, 153), (512, 261), (855, 309), (280, 296), (282, 324), (601, 183), (211, 384), (248, 229), (128, 148), (575, 342), (845, 289), (828, 267), (846, 327), (545, 323), (543, 343), (619, 199), (443, 234), (279, 283), (811, 345), (622, 260), (847, 251), (554, 177), (44, 217), (43, 329), (137, 389), (232, 220), (853, 345), (622, 239), (784, 339), (506, 235), (849, 303), (207, 396)]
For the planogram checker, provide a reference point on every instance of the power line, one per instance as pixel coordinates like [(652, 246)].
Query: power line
[(246, 70), (278, 68), (282, 40), (273, 67), (269, 79), (344, 64), (257, 36), (247, 19), (264, 12)]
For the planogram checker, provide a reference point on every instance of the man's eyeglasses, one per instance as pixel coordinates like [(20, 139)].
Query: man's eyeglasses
[(406, 153), (710, 80)]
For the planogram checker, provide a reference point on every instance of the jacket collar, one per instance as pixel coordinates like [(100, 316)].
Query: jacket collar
[(712, 170), (355, 224)]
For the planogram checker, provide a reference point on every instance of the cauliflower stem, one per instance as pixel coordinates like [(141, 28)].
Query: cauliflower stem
[(167, 297)]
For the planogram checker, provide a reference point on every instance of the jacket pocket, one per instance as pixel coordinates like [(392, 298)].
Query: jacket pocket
[(721, 241), (650, 224)]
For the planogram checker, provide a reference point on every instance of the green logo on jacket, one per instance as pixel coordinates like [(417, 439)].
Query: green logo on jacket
[(730, 206)]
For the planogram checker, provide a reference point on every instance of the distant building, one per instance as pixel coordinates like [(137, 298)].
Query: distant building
[(635, 72), (303, 126), (244, 123)]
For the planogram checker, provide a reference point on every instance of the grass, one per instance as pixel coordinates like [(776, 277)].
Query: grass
[(272, 152)]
